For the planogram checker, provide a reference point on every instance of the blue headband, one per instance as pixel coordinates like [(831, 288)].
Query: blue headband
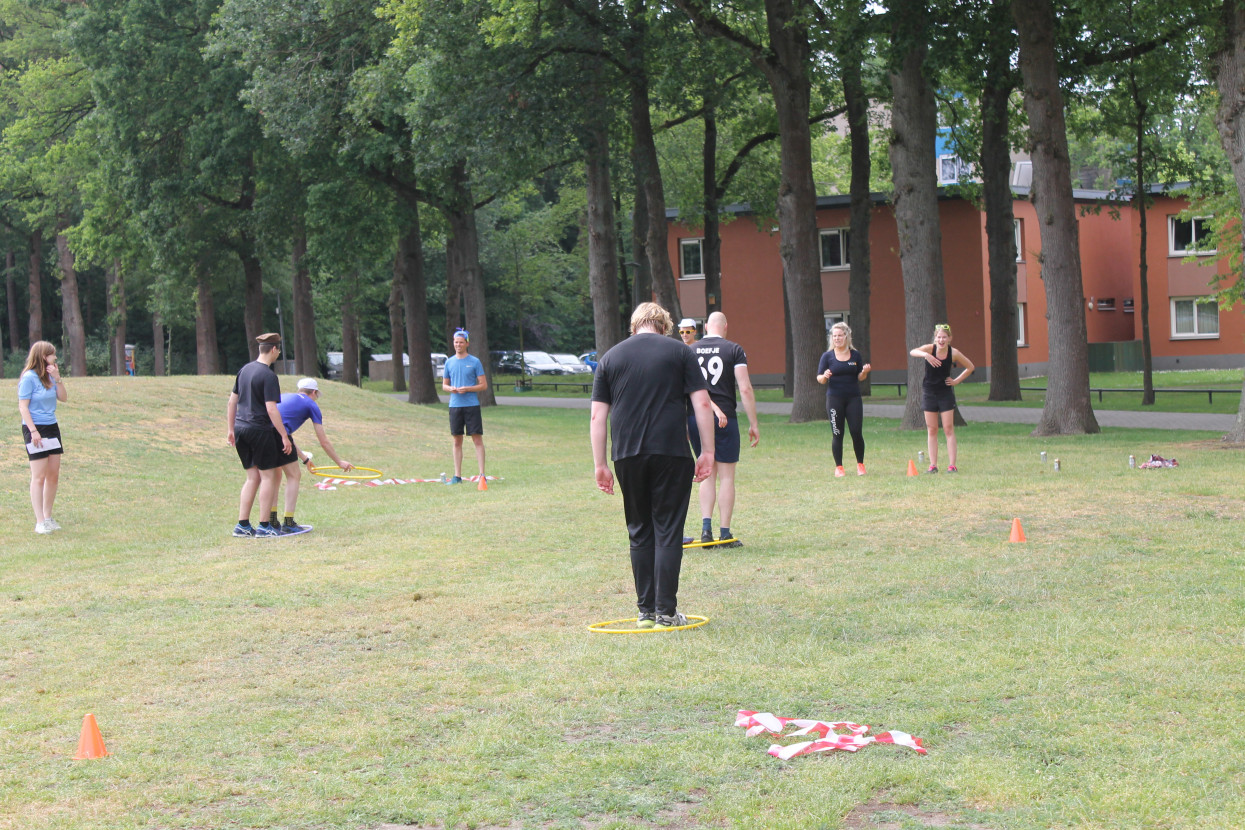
[(463, 334)]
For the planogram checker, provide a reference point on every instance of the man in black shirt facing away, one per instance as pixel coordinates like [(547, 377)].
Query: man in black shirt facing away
[(256, 432), (640, 388)]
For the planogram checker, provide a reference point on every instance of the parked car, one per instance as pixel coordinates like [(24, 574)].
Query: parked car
[(333, 370), (541, 363), (438, 364), (577, 366), (506, 362), (590, 359)]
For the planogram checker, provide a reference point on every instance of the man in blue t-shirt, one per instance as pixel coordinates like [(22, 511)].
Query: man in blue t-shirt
[(296, 409), (464, 377)]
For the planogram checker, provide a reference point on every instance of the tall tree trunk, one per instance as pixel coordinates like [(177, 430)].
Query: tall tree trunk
[(208, 361), (913, 135), (306, 349), (786, 67), (35, 299), (1067, 410), (157, 341), (859, 290), (71, 307), (996, 168), (114, 302), (642, 285), (788, 377), (1228, 67), (1140, 199), (422, 387), (253, 294), (602, 262), (397, 344), (350, 336), (10, 286), (713, 236), (465, 241), (647, 168)]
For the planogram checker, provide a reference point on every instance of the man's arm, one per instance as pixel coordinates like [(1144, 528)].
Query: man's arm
[(274, 415), (704, 423), (328, 448), (749, 399), (596, 432), (231, 412)]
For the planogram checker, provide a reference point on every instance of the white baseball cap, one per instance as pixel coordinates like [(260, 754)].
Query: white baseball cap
[(687, 323), (308, 384)]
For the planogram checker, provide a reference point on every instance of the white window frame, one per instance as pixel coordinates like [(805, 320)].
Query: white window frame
[(1195, 334), (699, 243), (844, 236), (1195, 223), (963, 170), (1020, 251), (1020, 325), (832, 317)]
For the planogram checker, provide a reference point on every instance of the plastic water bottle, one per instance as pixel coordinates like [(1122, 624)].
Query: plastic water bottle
[(1056, 465), (1132, 462), (443, 478), (1043, 456), (920, 457)]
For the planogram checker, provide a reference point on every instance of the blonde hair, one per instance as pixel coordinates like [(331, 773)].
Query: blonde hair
[(651, 315), (37, 361), (846, 329)]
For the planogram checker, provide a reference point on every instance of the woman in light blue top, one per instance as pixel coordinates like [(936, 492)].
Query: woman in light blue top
[(38, 390)]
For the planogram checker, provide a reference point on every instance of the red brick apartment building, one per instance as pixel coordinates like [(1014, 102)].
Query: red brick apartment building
[(1186, 330)]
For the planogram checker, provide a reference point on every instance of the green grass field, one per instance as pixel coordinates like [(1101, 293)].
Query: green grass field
[(422, 658)]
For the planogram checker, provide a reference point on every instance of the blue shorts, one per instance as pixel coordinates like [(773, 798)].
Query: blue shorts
[(725, 439)]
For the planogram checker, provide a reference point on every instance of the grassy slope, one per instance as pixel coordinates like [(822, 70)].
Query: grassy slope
[(422, 658)]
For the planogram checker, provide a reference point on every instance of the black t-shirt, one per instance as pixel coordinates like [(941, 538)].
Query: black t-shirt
[(936, 376), (646, 380), (718, 358), (255, 385), (844, 374)]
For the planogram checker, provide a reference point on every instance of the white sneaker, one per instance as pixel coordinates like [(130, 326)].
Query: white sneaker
[(52, 523), (43, 527)]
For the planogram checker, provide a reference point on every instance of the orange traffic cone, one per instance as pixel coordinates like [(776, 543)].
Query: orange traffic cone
[(1018, 532), (911, 467), (91, 743), (483, 485)]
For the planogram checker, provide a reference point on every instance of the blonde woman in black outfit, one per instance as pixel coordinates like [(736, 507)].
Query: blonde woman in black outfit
[(938, 391)]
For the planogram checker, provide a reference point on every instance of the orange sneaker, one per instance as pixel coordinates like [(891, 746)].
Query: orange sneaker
[(860, 469), (838, 472)]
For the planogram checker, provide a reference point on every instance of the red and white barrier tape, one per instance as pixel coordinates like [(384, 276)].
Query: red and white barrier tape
[(332, 483), (757, 723)]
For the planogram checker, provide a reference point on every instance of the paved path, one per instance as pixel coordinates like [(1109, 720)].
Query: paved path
[(996, 414)]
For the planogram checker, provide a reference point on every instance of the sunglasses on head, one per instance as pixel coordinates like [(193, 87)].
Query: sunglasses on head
[(942, 327)]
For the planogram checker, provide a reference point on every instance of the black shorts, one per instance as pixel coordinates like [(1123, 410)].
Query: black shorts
[(292, 456), (466, 420), (725, 439), (258, 447), (938, 400), (45, 431)]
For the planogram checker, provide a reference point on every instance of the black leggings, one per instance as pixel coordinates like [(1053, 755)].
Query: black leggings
[(852, 410)]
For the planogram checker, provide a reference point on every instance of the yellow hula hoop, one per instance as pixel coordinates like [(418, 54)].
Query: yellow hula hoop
[(690, 545), (600, 628), (325, 473)]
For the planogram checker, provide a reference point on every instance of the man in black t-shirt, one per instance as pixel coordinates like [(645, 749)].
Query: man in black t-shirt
[(725, 367), (640, 389), (256, 432)]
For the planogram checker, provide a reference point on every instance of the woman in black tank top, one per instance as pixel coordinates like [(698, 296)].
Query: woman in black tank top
[(938, 391)]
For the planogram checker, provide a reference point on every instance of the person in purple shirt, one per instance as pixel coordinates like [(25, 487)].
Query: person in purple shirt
[(296, 409)]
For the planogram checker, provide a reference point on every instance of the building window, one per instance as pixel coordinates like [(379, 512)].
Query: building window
[(691, 252), (1020, 324), (834, 249), (1128, 305), (1106, 303), (833, 317), (952, 170), (1020, 240), (1189, 236), (1193, 317)]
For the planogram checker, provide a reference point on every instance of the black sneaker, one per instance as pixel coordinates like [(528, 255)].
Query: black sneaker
[(291, 527), (671, 621), (706, 537), (733, 543), (647, 619)]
